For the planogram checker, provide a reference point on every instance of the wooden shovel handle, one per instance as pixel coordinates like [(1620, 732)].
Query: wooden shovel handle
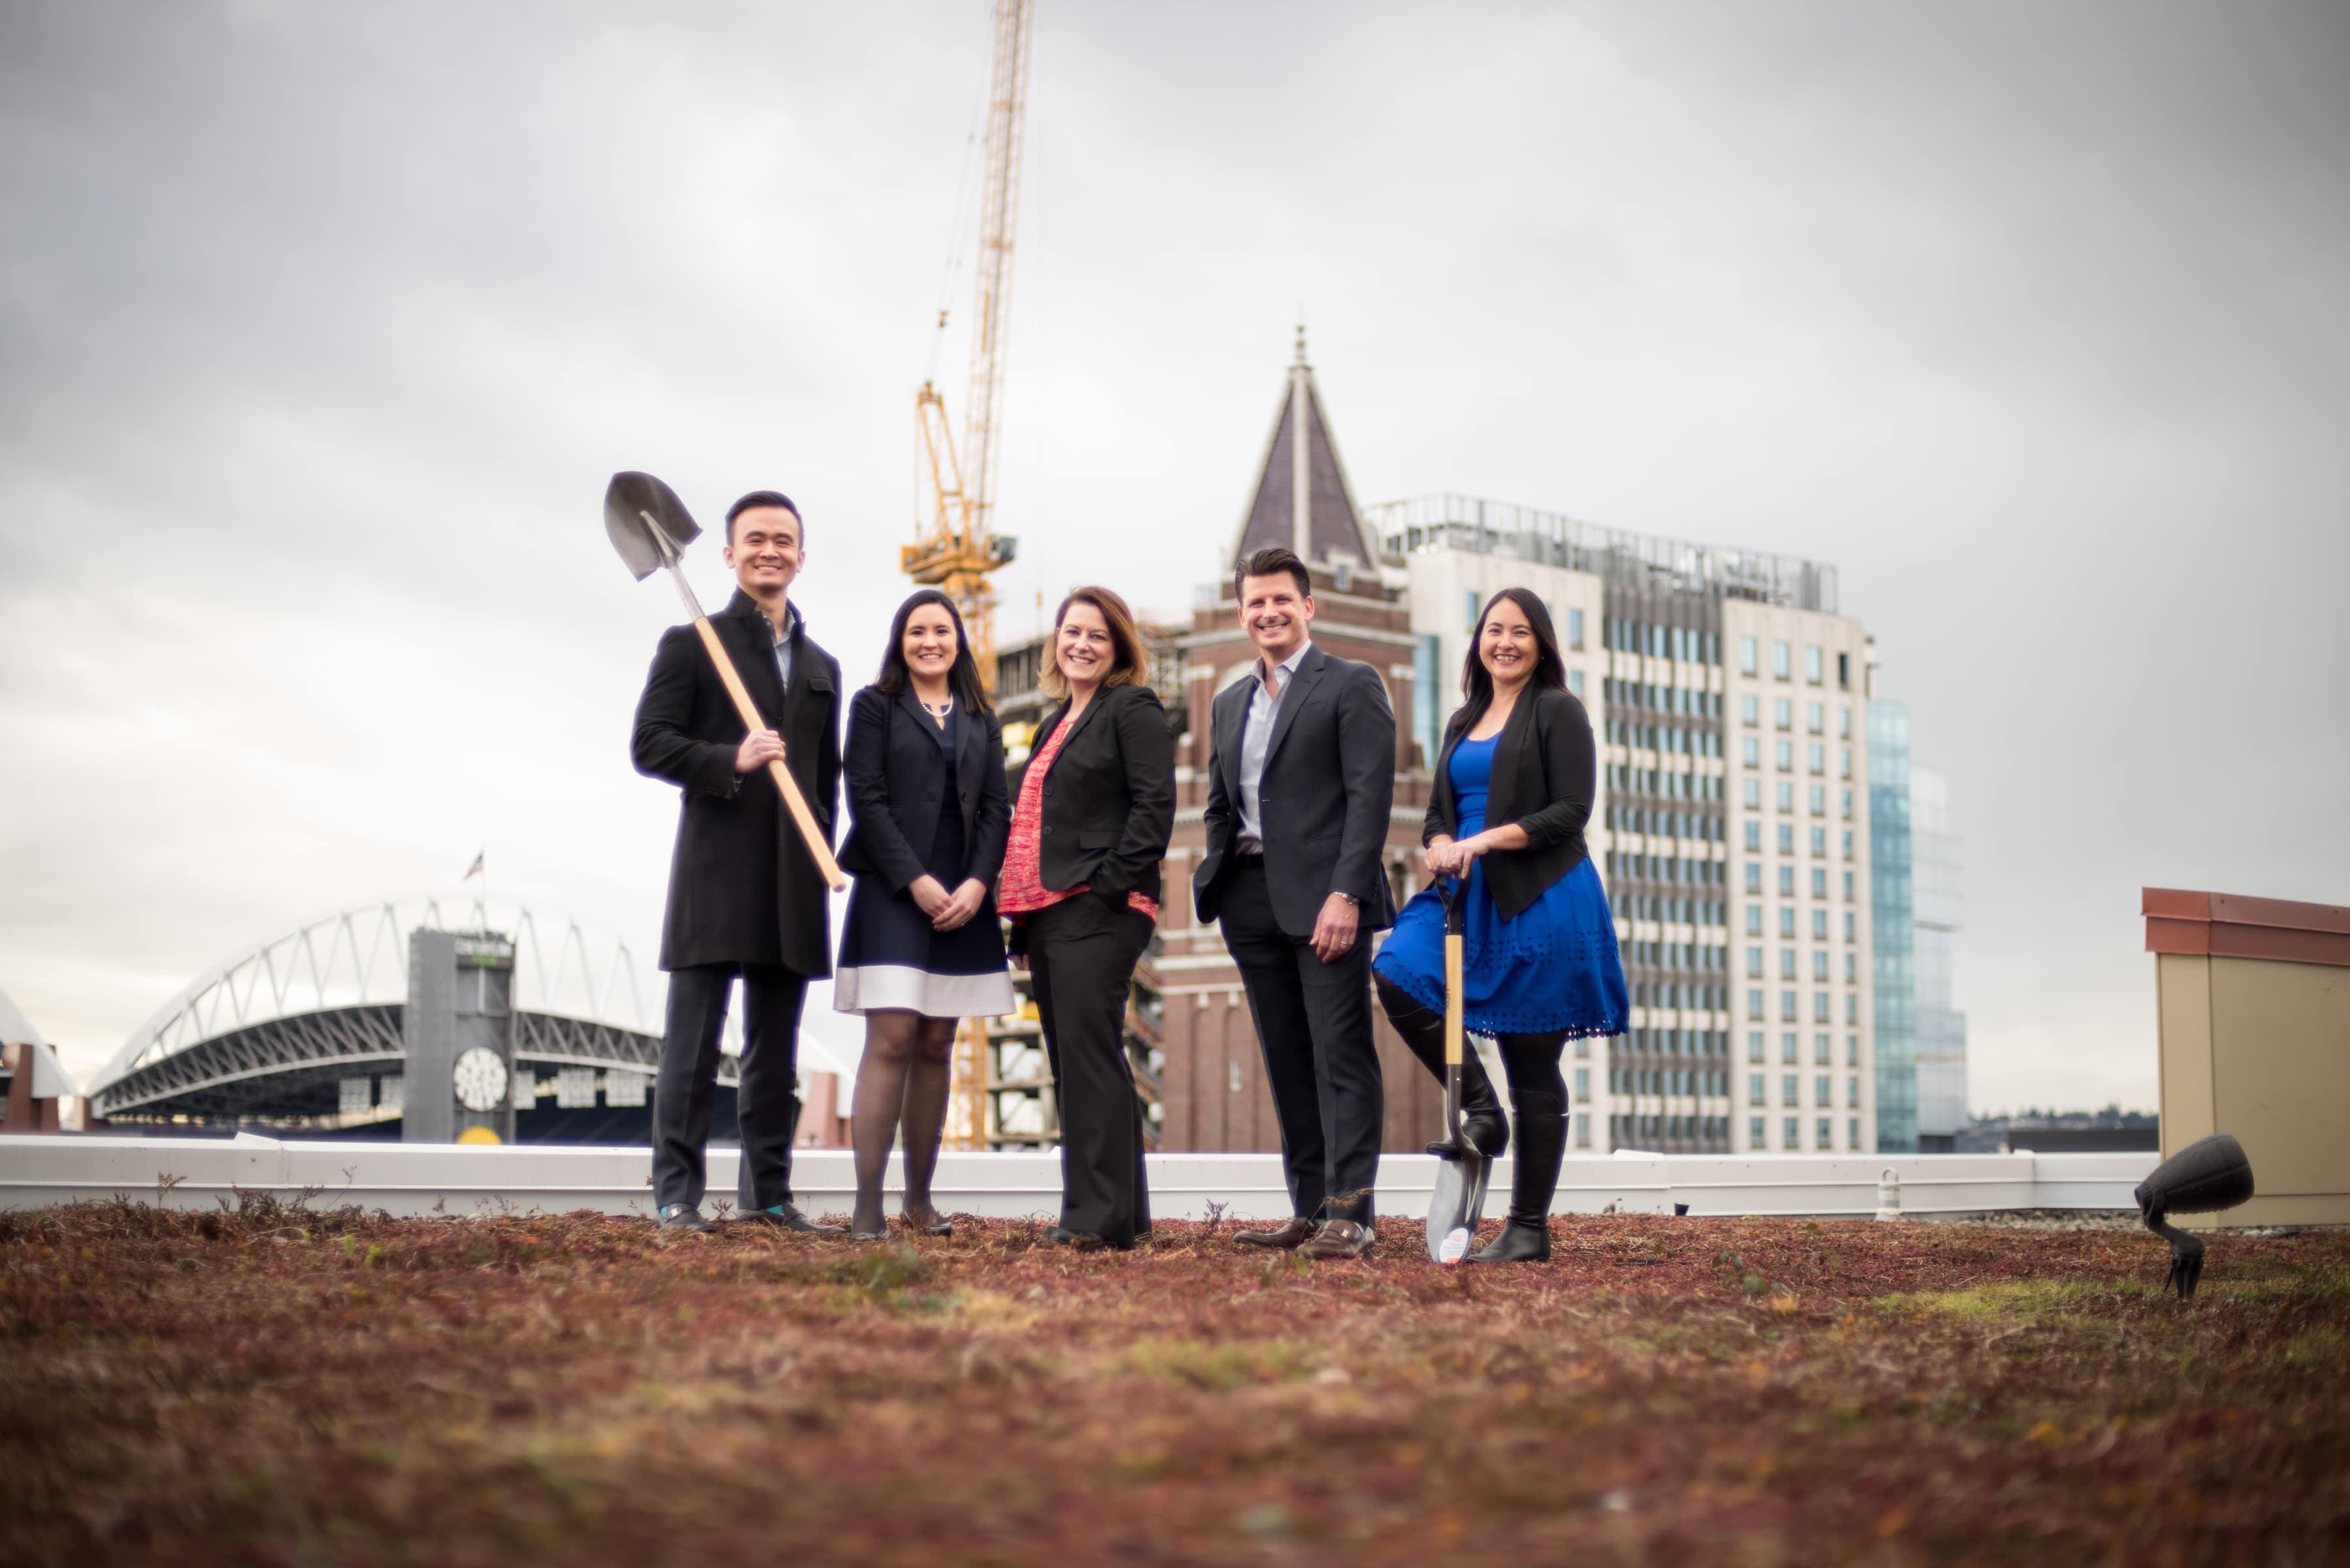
[(810, 834), (1453, 1053)]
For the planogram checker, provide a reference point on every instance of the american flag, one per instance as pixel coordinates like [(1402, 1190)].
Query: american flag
[(475, 869)]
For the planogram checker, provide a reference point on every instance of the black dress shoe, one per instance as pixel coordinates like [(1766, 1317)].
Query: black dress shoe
[(1340, 1239), (926, 1220), (788, 1217), (1291, 1232), (684, 1218), (1074, 1241), (1519, 1242)]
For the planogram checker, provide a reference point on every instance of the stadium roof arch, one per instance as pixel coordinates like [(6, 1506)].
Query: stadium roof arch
[(273, 1029)]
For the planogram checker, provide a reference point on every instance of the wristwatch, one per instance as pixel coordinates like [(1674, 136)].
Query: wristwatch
[(1350, 897)]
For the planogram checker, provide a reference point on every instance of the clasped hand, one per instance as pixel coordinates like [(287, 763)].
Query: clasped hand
[(1454, 856), (948, 911)]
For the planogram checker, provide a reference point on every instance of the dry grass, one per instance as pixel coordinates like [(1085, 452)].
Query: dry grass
[(273, 1385)]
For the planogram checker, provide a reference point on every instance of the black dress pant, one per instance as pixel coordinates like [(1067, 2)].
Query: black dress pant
[(767, 1105), (1081, 956), (1314, 1025)]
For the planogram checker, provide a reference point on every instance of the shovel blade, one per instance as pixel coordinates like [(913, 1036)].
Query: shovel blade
[(1458, 1203), (635, 507)]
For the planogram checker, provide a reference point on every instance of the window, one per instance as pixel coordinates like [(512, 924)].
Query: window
[(1754, 963), (1816, 756), (1819, 796), (1754, 1048), (1749, 751), (1827, 1134), (1844, 760), (1815, 719), (1753, 836), (1750, 791), (1754, 1089), (1820, 842), (1786, 839), (1823, 1092), (1852, 1007), (1847, 843), (1786, 1007), (1844, 679), (1786, 797), (1819, 925), (1583, 1083), (1787, 1049), (1750, 710), (1852, 1050), (1847, 925), (1574, 628), (1583, 1129), (1782, 659), (1753, 877), (1787, 925), (1848, 887), (1746, 660), (1793, 1134), (1787, 881), (1783, 714), (1844, 722), (1820, 882), (1819, 969), (1851, 968), (1574, 682), (1787, 1090), (1854, 1123), (1470, 605), (1812, 662), (1852, 1094), (1821, 1055), (1845, 801), (1754, 1006), (1754, 1131), (1784, 754), (1821, 1011), (1786, 964)]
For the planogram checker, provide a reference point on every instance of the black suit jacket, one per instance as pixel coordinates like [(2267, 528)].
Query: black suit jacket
[(895, 782), (1328, 785), (1109, 801), (1545, 775), (742, 888)]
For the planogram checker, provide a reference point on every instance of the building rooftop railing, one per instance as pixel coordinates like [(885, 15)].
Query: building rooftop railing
[(1624, 560)]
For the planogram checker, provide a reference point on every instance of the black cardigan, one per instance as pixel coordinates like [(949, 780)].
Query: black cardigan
[(1109, 803), (1545, 776), (895, 782)]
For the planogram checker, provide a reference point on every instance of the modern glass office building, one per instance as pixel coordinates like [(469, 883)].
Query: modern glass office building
[(1893, 916), (1941, 1029)]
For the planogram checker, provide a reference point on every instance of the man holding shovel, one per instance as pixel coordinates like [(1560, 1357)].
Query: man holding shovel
[(746, 895)]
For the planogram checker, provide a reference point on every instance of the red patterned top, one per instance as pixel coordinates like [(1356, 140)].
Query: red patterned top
[(1022, 890)]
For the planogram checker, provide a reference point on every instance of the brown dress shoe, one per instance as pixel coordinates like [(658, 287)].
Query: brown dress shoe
[(1291, 1233), (1339, 1238)]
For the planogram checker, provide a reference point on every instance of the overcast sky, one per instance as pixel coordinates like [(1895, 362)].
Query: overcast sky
[(322, 325)]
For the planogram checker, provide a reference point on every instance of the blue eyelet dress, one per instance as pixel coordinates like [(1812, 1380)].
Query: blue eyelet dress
[(1553, 967)]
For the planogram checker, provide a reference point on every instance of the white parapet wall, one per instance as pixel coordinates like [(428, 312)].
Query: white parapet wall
[(450, 1179)]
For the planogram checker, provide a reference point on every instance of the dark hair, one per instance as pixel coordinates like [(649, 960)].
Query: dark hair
[(759, 498), (1477, 682), (1132, 666), (1266, 562), (962, 676)]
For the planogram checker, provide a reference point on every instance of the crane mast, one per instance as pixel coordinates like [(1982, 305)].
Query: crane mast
[(957, 546)]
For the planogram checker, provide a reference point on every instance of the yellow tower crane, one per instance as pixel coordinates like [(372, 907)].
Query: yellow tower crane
[(957, 546)]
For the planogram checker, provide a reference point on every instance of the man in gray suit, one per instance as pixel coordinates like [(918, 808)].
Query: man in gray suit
[(1301, 778)]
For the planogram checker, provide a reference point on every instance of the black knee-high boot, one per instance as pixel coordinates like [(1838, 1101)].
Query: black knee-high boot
[(1483, 1126), (1542, 1147)]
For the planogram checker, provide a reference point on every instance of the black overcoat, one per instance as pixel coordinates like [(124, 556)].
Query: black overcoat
[(1545, 775), (1328, 787), (1108, 805), (895, 782), (742, 888)]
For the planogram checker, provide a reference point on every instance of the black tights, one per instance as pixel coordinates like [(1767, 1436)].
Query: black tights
[(907, 1060), (1531, 1061)]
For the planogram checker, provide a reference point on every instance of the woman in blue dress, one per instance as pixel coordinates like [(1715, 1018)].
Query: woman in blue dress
[(1514, 789), (922, 948)]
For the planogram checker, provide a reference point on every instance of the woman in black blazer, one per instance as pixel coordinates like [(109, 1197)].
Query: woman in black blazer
[(1081, 883), (1513, 794), (922, 948)]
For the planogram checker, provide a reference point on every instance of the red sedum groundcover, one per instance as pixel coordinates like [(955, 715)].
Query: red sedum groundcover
[(276, 1385)]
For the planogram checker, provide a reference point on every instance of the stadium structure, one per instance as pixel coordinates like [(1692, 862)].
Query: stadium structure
[(424, 1019)]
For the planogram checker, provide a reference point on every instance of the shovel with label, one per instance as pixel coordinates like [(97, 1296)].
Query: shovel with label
[(1461, 1171)]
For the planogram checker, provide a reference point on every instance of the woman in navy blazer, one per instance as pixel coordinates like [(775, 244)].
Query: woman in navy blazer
[(923, 949)]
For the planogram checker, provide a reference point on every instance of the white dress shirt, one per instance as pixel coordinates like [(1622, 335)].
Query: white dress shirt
[(1256, 740)]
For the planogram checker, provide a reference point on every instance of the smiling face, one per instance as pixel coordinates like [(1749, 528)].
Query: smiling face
[(764, 549), (1082, 647), (1506, 645), (929, 644), (1275, 613)]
